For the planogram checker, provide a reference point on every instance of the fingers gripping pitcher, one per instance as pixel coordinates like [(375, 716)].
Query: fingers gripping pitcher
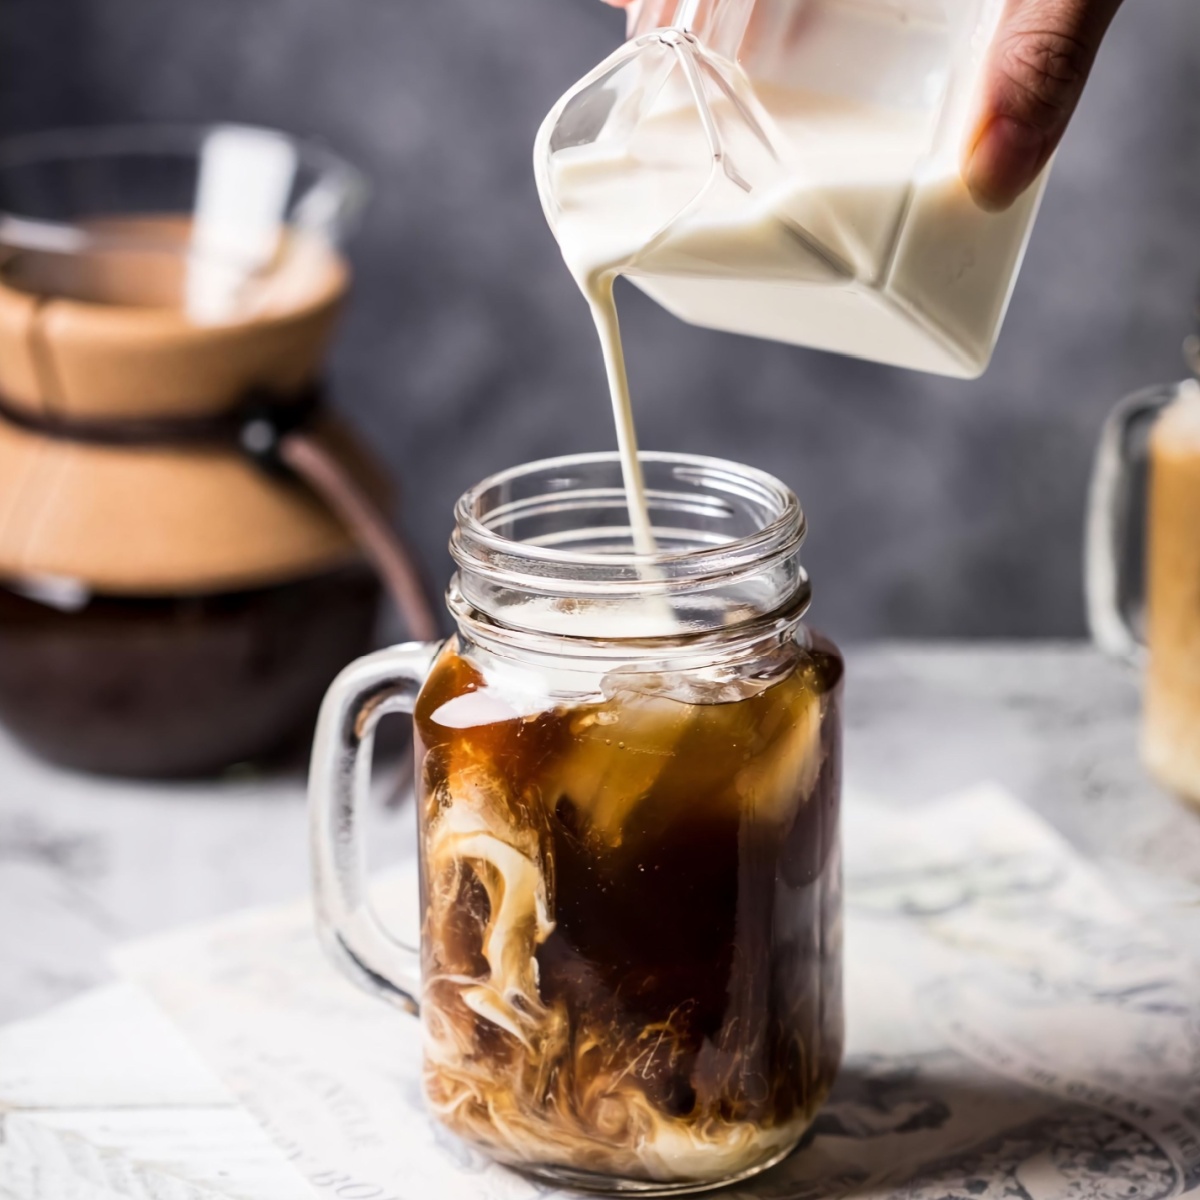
[(789, 169), (628, 771)]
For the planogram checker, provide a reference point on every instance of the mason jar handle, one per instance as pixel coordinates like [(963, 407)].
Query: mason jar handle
[(338, 787), (1110, 508)]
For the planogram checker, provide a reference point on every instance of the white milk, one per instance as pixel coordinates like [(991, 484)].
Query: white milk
[(856, 240)]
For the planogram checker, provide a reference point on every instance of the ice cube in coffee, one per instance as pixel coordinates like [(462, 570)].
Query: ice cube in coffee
[(632, 945)]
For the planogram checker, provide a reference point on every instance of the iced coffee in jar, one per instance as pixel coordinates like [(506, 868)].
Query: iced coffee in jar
[(628, 779)]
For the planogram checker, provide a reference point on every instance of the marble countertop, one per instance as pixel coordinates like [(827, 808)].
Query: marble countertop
[(87, 863)]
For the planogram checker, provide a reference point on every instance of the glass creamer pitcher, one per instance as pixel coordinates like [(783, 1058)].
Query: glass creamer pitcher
[(628, 789), (790, 169)]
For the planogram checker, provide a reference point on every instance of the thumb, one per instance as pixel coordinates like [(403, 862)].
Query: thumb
[(1039, 61)]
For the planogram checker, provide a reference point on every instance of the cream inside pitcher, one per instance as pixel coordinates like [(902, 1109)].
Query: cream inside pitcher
[(789, 169)]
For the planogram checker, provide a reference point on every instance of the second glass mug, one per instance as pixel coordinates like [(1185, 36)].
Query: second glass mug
[(628, 790), (1142, 569)]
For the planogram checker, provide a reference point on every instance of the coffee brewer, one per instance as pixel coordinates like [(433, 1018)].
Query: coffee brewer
[(190, 545)]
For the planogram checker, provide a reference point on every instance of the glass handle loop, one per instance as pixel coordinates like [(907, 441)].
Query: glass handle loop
[(338, 788), (1111, 500)]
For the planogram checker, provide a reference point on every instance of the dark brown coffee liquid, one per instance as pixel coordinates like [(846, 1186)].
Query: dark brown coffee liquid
[(632, 951), (179, 685)]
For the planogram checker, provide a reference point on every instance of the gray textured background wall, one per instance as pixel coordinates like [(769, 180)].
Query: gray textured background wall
[(936, 507)]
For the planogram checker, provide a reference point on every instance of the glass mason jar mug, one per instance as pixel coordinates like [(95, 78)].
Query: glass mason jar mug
[(628, 784), (1142, 564)]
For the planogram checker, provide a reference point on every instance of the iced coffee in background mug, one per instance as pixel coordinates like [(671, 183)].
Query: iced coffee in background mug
[(1143, 568)]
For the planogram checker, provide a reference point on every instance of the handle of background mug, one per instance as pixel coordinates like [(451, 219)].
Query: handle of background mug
[(338, 788), (1110, 502)]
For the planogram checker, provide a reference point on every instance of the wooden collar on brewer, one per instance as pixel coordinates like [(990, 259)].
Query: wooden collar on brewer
[(133, 441), (277, 434)]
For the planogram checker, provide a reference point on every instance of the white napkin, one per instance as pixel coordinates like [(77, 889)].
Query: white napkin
[(1013, 1033), (102, 1098)]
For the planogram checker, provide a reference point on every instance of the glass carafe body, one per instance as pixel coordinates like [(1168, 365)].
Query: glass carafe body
[(167, 608)]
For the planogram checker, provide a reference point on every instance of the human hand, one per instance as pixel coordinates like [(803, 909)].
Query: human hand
[(1040, 59)]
